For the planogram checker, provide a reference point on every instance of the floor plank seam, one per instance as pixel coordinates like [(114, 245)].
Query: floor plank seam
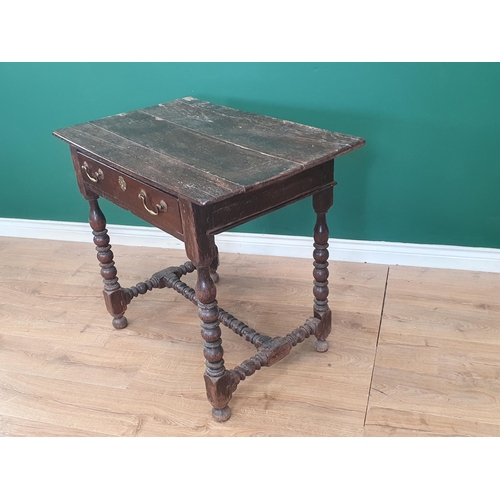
[(376, 344)]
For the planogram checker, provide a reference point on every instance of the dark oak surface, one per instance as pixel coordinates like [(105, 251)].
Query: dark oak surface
[(206, 153)]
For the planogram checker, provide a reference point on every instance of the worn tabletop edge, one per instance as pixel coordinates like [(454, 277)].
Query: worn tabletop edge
[(135, 143), (209, 199), (244, 114), (348, 141)]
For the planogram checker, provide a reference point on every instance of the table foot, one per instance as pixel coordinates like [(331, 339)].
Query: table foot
[(221, 415), (321, 345), (120, 322), (215, 276)]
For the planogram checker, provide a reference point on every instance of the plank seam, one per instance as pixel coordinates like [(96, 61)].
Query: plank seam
[(202, 134), (166, 155)]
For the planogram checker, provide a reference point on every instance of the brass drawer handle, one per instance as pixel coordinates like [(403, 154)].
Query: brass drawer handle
[(99, 175), (160, 207)]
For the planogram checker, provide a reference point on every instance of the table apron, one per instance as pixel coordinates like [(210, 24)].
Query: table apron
[(250, 205)]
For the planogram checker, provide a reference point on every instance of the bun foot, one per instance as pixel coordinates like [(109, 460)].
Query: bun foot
[(221, 415), (214, 276), (321, 345), (120, 322)]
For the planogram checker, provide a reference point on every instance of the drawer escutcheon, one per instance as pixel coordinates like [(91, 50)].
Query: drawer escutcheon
[(122, 183)]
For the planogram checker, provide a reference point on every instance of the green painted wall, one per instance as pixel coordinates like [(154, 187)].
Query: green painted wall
[(430, 172)]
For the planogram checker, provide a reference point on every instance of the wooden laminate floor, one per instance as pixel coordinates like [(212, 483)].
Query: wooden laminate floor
[(413, 352)]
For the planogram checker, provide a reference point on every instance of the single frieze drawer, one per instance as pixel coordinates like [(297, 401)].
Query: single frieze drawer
[(148, 203)]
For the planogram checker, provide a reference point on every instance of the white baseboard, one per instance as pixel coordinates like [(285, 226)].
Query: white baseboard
[(375, 252)]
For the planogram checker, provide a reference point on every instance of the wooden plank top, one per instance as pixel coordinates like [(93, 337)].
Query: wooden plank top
[(204, 152)]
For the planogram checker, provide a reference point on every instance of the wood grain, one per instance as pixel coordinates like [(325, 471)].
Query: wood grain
[(220, 158), (65, 371), (437, 367), (155, 167), (203, 152), (279, 138)]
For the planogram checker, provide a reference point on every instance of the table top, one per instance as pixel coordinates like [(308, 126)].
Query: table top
[(204, 152)]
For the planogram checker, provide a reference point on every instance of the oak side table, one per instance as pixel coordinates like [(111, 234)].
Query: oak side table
[(194, 169)]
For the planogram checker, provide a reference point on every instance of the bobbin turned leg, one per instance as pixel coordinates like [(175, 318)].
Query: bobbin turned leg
[(202, 251), (217, 379), (321, 203), (113, 294)]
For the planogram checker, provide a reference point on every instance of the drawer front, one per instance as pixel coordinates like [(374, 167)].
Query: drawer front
[(148, 203)]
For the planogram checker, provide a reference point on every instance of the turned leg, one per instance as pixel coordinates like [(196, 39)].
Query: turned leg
[(113, 294), (201, 250), (217, 379), (321, 202)]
